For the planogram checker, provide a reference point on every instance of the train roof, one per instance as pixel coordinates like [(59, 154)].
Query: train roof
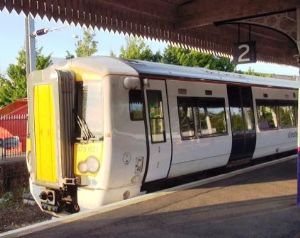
[(196, 73), (103, 65)]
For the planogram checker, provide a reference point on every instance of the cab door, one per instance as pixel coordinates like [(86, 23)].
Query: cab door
[(158, 128)]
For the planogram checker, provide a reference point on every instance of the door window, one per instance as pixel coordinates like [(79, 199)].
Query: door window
[(156, 116)]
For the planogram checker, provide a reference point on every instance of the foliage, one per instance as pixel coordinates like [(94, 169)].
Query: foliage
[(14, 86), (186, 57), (86, 46), (251, 71), (137, 49)]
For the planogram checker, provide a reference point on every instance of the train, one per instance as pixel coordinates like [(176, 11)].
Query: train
[(101, 128)]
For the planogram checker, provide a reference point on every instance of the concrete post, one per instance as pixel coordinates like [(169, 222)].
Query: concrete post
[(30, 45)]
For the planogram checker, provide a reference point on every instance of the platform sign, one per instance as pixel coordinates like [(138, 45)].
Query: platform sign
[(244, 52)]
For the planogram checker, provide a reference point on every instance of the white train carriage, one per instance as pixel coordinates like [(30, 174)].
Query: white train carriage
[(139, 122)]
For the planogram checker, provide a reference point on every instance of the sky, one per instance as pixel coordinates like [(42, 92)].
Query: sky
[(12, 39)]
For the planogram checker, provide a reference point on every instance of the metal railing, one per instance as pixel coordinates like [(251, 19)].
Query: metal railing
[(13, 136)]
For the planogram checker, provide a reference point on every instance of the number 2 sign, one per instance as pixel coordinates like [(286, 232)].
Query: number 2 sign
[(244, 52)]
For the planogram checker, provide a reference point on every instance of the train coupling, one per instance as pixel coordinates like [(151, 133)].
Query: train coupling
[(54, 200)]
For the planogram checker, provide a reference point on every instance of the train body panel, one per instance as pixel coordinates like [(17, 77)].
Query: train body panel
[(122, 124), (276, 139), (196, 152), (128, 148)]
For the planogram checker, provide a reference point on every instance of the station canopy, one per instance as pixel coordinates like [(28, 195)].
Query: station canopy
[(210, 25)]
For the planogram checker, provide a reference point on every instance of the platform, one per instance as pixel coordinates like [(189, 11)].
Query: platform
[(261, 203)]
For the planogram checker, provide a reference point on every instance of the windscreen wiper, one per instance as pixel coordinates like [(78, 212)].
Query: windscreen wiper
[(85, 130)]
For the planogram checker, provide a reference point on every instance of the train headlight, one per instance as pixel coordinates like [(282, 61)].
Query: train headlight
[(91, 165), (82, 167)]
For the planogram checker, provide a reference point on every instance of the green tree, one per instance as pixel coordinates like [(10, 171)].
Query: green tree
[(86, 46), (14, 86), (186, 57), (251, 71), (136, 48)]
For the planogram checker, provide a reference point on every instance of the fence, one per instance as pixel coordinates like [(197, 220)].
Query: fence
[(12, 136)]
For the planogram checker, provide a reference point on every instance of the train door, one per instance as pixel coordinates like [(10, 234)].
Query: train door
[(242, 122), (159, 141)]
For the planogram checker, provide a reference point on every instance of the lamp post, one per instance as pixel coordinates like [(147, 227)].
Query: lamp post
[(30, 45), (30, 42)]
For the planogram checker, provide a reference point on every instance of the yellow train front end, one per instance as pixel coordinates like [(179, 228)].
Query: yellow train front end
[(65, 143)]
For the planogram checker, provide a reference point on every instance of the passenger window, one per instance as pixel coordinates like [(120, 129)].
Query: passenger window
[(203, 121), (186, 118), (206, 115), (217, 120), (156, 116), (267, 115), (287, 116), (136, 108), (211, 118)]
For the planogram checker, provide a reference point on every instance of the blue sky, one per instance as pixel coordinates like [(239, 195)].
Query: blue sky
[(58, 42)]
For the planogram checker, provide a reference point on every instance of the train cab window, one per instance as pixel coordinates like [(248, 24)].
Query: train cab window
[(186, 117), (90, 108), (156, 116), (266, 114), (136, 108)]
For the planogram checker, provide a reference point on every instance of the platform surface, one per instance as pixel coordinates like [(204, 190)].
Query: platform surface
[(260, 203)]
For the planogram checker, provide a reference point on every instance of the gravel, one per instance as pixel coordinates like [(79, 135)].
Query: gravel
[(15, 214)]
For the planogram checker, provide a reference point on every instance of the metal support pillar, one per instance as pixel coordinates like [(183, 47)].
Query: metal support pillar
[(298, 147), (30, 45)]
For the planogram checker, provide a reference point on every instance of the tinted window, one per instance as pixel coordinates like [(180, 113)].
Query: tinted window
[(249, 118), (90, 105), (267, 117), (247, 102), (136, 108), (206, 116), (211, 117), (273, 114), (156, 116), (286, 116), (237, 122), (186, 117)]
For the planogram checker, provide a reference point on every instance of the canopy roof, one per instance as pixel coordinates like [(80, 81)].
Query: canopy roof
[(210, 25)]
